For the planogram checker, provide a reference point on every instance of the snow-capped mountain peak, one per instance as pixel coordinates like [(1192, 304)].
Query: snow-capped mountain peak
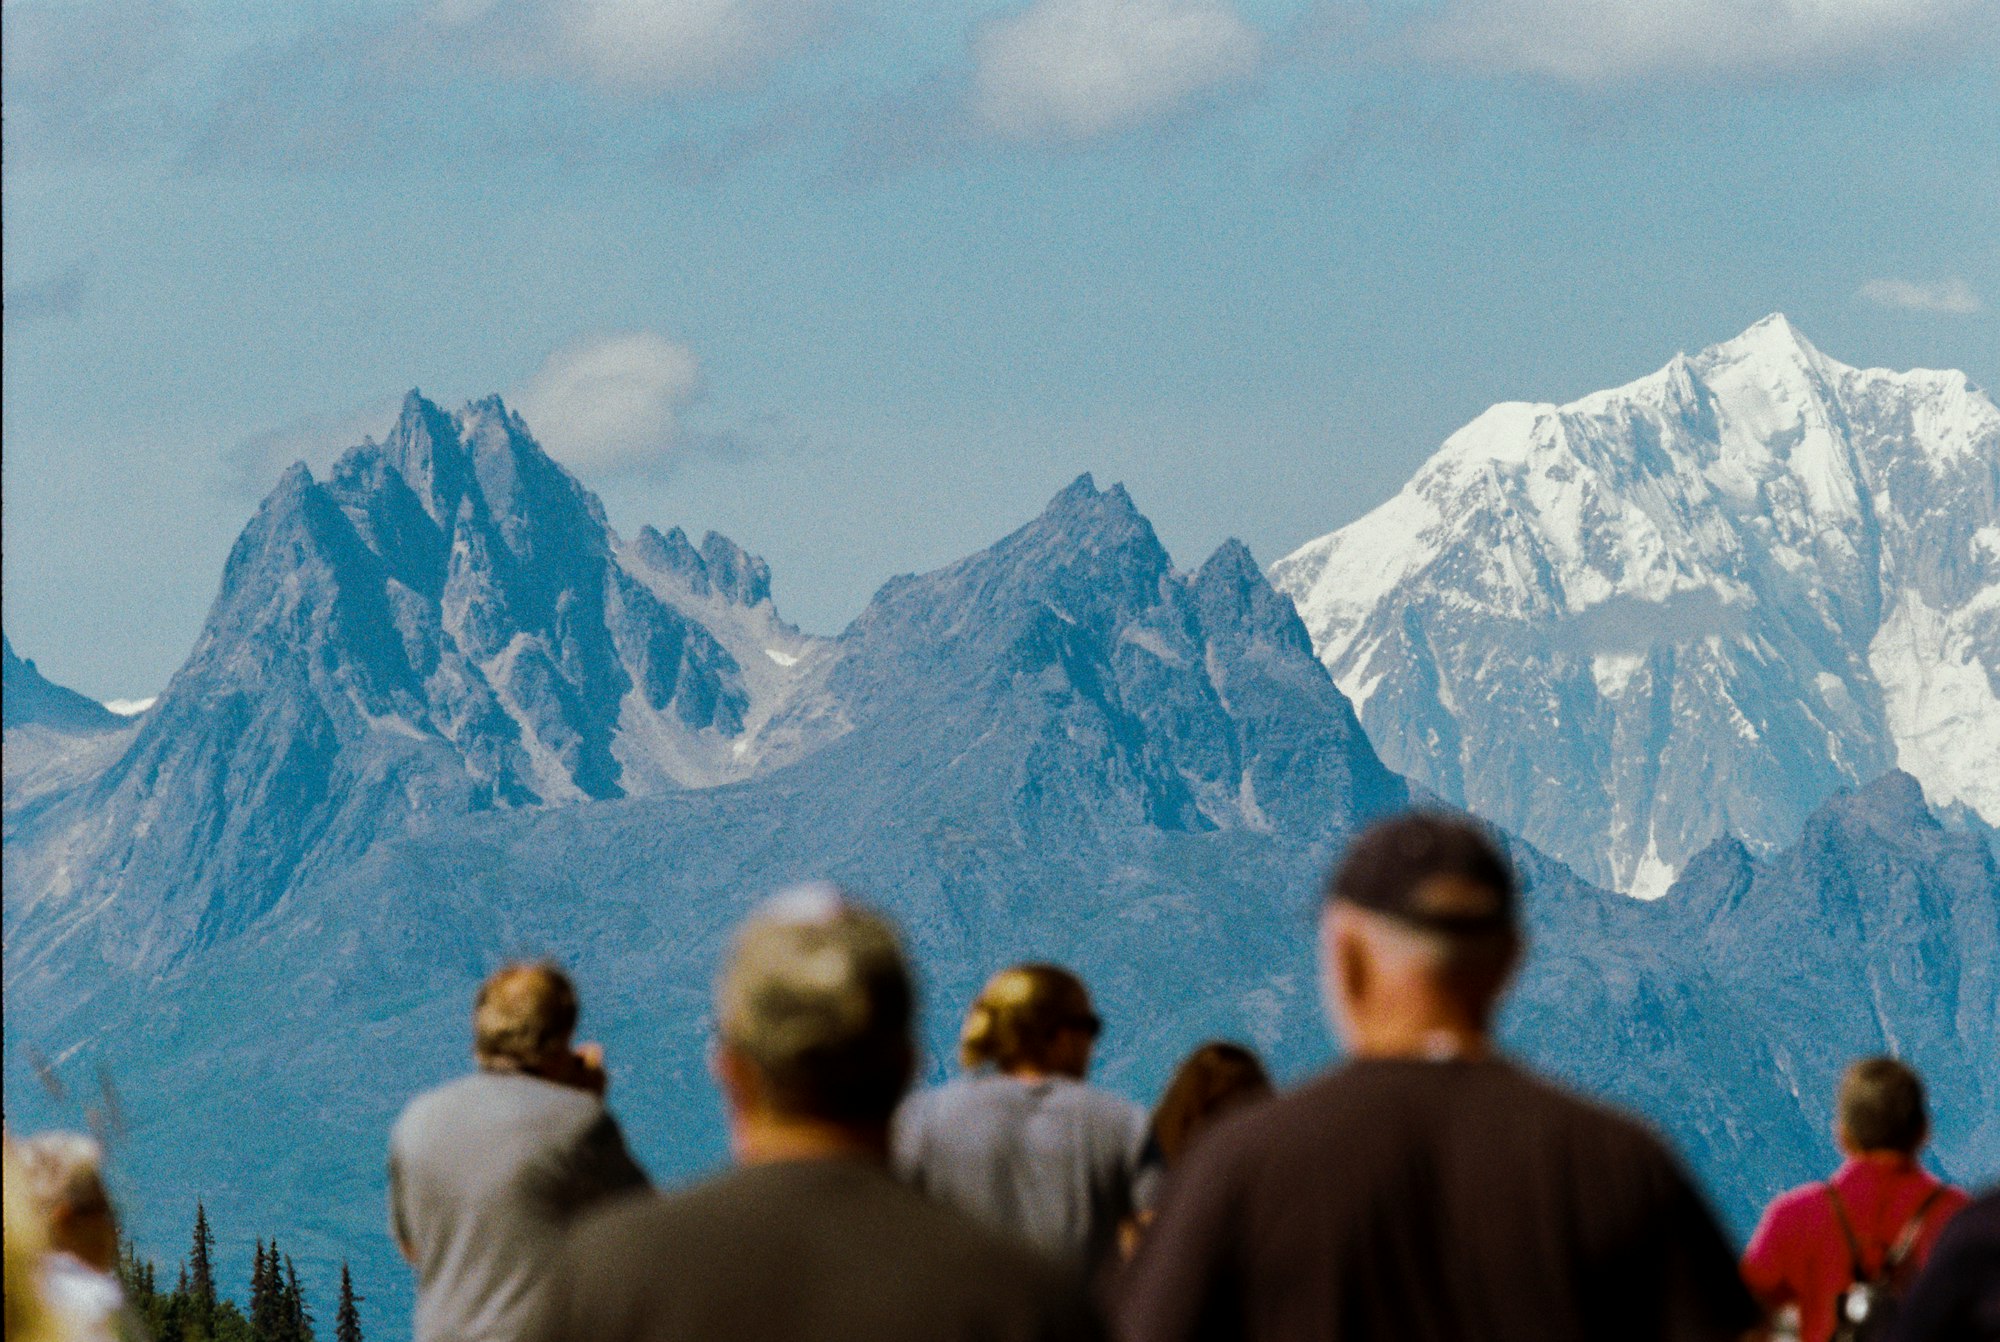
[(1692, 605)]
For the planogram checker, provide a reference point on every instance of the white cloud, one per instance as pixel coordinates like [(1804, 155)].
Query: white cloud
[(1599, 42), (612, 402), (1077, 69), (1947, 296), (632, 46)]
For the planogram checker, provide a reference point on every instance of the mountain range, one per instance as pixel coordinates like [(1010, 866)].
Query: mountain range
[(442, 714)]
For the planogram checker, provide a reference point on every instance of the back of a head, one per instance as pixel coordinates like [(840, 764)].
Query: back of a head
[(1019, 1015), (524, 1015), (27, 1238), (63, 1174), (1882, 1107), (816, 995), (1213, 1080), (1442, 879)]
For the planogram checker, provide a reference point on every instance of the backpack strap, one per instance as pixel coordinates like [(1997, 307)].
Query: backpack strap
[(1858, 1270), (1906, 1240)]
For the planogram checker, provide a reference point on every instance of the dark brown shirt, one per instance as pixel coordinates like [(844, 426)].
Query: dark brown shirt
[(806, 1251), (1432, 1200)]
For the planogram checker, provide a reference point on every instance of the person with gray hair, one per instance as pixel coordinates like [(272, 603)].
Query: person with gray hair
[(487, 1172), (810, 1236), (77, 1275)]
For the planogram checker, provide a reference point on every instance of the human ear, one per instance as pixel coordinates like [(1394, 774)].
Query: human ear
[(735, 1078)]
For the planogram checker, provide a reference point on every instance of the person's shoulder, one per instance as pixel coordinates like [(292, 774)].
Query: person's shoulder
[(1951, 1199), (438, 1103), (1101, 1105), (1602, 1123), (943, 1097), (608, 1232), (1803, 1200)]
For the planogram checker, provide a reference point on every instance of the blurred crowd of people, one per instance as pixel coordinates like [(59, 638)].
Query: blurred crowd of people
[(1423, 1188)]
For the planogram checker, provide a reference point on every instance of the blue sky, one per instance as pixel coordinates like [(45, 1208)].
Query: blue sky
[(862, 285)]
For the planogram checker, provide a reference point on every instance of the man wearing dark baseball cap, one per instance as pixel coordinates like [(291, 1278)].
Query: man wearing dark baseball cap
[(1427, 1188)]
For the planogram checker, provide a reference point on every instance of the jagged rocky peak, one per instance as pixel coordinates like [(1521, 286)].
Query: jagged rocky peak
[(720, 567), (442, 625), (1694, 605), (1100, 688)]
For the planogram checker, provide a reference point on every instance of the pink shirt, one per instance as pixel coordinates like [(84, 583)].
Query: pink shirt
[(1799, 1255)]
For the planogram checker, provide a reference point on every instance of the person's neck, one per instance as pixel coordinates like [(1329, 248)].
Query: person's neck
[(1887, 1160), (1031, 1072), (768, 1139), (1438, 1037)]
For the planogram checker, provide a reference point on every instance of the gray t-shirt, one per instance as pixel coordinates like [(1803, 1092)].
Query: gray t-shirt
[(485, 1175), (1050, 1160)]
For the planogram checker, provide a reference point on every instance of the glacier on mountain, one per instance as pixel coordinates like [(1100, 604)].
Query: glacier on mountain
[(1693, 606)]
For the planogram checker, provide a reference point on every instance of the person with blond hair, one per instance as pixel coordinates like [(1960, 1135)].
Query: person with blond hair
[(77, 1276), (809, 1237), (29, 1318), (1020, 1141), (487, 1172)]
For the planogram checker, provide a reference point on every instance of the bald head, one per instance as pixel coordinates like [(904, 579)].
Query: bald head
[(1419, 937)]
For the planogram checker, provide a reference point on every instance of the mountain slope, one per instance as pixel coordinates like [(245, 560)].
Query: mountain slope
[(28, 698), (1727, 1009), (56, 739), (1693, 606)]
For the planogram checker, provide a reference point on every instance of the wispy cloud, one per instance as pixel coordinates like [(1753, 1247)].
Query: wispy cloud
[(1607, 42), (633, 46), (1068, 70), (253, 465), (613, 403), (1953, 297), (60, 295)]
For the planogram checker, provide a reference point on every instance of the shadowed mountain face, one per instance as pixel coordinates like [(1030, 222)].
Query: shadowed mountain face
[(267, 917), (30, 699), (1693, 606), (440, 627)]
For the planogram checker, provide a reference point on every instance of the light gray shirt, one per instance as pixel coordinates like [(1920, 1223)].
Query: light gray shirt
[(485, 1175), (1050, 1160)]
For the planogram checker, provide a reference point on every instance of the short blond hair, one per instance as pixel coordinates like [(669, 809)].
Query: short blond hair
[(525, 1013), (816, 995), (1018, 1015)]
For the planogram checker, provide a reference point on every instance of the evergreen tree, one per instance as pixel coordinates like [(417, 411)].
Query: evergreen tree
[(201, 1272), (347, 1319), (298, 1319), (267, 1307), (167, 1325)]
